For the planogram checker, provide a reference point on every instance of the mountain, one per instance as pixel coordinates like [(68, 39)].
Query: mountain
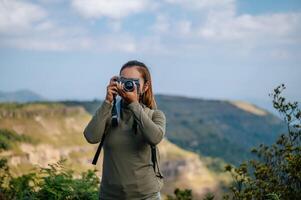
[(38, 134), (216, 128), (219, 128), (20, 96)]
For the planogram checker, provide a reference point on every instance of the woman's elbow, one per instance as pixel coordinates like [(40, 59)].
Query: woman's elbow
[(89, 138), (159, 136)]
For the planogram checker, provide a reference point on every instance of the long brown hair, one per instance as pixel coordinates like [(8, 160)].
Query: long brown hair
[(147, 98)]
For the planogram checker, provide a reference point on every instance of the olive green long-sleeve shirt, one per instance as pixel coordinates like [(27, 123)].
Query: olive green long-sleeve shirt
[(127, 167)]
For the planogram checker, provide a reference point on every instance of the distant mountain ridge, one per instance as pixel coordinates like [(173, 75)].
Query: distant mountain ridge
[(20, 96)]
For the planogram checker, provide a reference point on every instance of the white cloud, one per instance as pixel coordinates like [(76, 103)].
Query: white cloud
[(48, 44), (116, 42), (19, 16), (204, 4), (115, 9), (153, 45), (184, 27), (44, 34), (115, 25), (200, 11), (282, 27), (213, 24), (25, 25), (162, 24), (63, 40), (51, 1), (218, 21), (216, 24)]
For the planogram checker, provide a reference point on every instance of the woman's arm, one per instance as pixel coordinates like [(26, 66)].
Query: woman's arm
[(95, 128), (153, 129)]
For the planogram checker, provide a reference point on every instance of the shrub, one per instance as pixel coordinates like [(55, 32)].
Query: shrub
[(277, 172), (54, 182)]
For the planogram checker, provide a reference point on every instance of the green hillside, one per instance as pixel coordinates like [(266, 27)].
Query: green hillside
[(218, 128)]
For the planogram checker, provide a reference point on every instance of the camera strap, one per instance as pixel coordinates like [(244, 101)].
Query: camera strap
[(118, 109)]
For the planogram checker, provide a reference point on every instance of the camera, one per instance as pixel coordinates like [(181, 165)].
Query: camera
[(128, 87), (128, 83)]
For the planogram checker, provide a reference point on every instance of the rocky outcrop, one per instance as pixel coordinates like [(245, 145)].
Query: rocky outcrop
[(43, 154), (185, 170)]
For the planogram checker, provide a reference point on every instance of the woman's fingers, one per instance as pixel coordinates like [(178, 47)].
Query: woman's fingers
[(116, 88), (120, 90), (113, 79), (113, 89), (114, 83), (121, 85)]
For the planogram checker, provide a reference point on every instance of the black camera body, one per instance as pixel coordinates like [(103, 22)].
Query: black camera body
[(128, 83)]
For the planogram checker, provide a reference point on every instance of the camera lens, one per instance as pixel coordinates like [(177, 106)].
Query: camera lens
[(129, 86)]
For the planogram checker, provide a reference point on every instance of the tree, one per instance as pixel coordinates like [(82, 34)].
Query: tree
[(277, 172)]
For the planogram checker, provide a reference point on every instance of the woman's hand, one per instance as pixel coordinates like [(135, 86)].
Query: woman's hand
[(129, 97), (111, 90)]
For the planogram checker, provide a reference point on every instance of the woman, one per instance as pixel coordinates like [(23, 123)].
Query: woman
[(128, 171)]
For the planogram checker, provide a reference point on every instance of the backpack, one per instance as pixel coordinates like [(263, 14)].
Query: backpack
[(153, 152)]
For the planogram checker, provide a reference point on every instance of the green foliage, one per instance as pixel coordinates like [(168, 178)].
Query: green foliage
[(54, 182), (181, 195), (8, 137), (209, 196), (276, 174)]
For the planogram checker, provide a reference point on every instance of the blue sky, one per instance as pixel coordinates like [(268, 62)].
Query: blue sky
[(231, 49)]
